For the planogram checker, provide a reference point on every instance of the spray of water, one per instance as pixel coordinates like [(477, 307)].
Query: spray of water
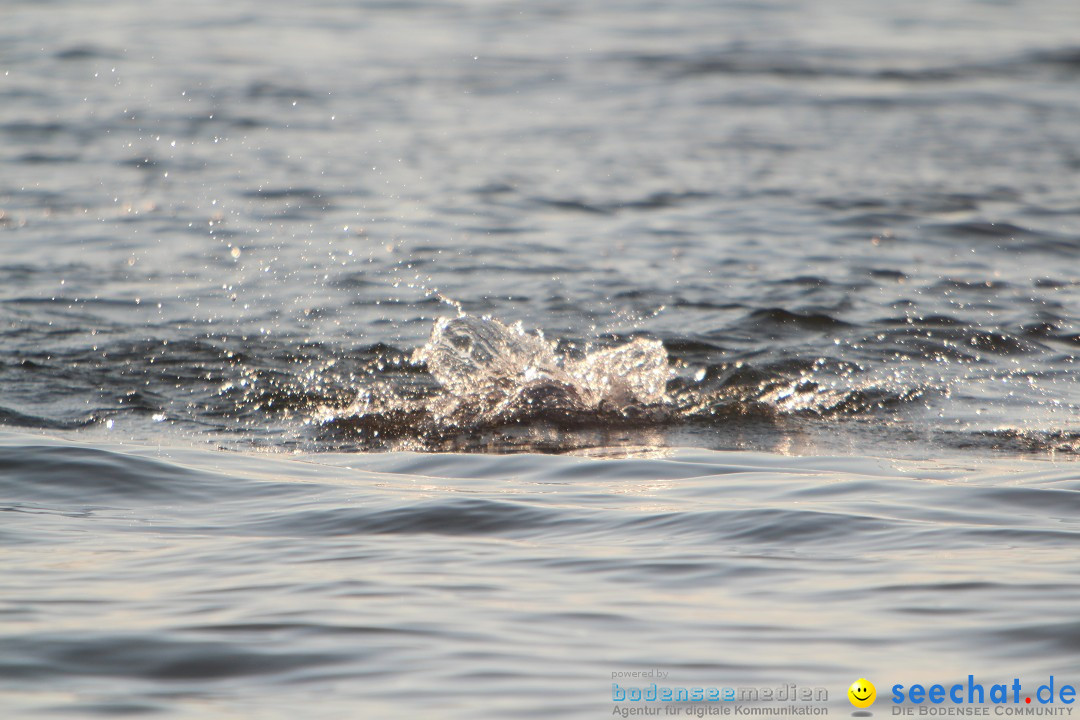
[(494, 373)]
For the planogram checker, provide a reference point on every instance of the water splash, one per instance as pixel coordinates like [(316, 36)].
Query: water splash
[(487, 375), (494, 373), (478, 383)]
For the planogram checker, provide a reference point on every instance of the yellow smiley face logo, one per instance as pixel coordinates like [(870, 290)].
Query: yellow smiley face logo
[(862, 693)]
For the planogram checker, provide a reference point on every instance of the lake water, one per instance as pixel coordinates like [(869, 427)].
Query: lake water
[(390, 359)]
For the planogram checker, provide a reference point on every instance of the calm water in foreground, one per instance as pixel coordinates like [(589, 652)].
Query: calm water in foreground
[(366, 359)]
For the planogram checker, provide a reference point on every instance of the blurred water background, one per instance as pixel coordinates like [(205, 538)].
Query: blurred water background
[(374, 359)]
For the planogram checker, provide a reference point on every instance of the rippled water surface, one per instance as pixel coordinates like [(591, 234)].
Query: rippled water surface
[(376, 358)]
